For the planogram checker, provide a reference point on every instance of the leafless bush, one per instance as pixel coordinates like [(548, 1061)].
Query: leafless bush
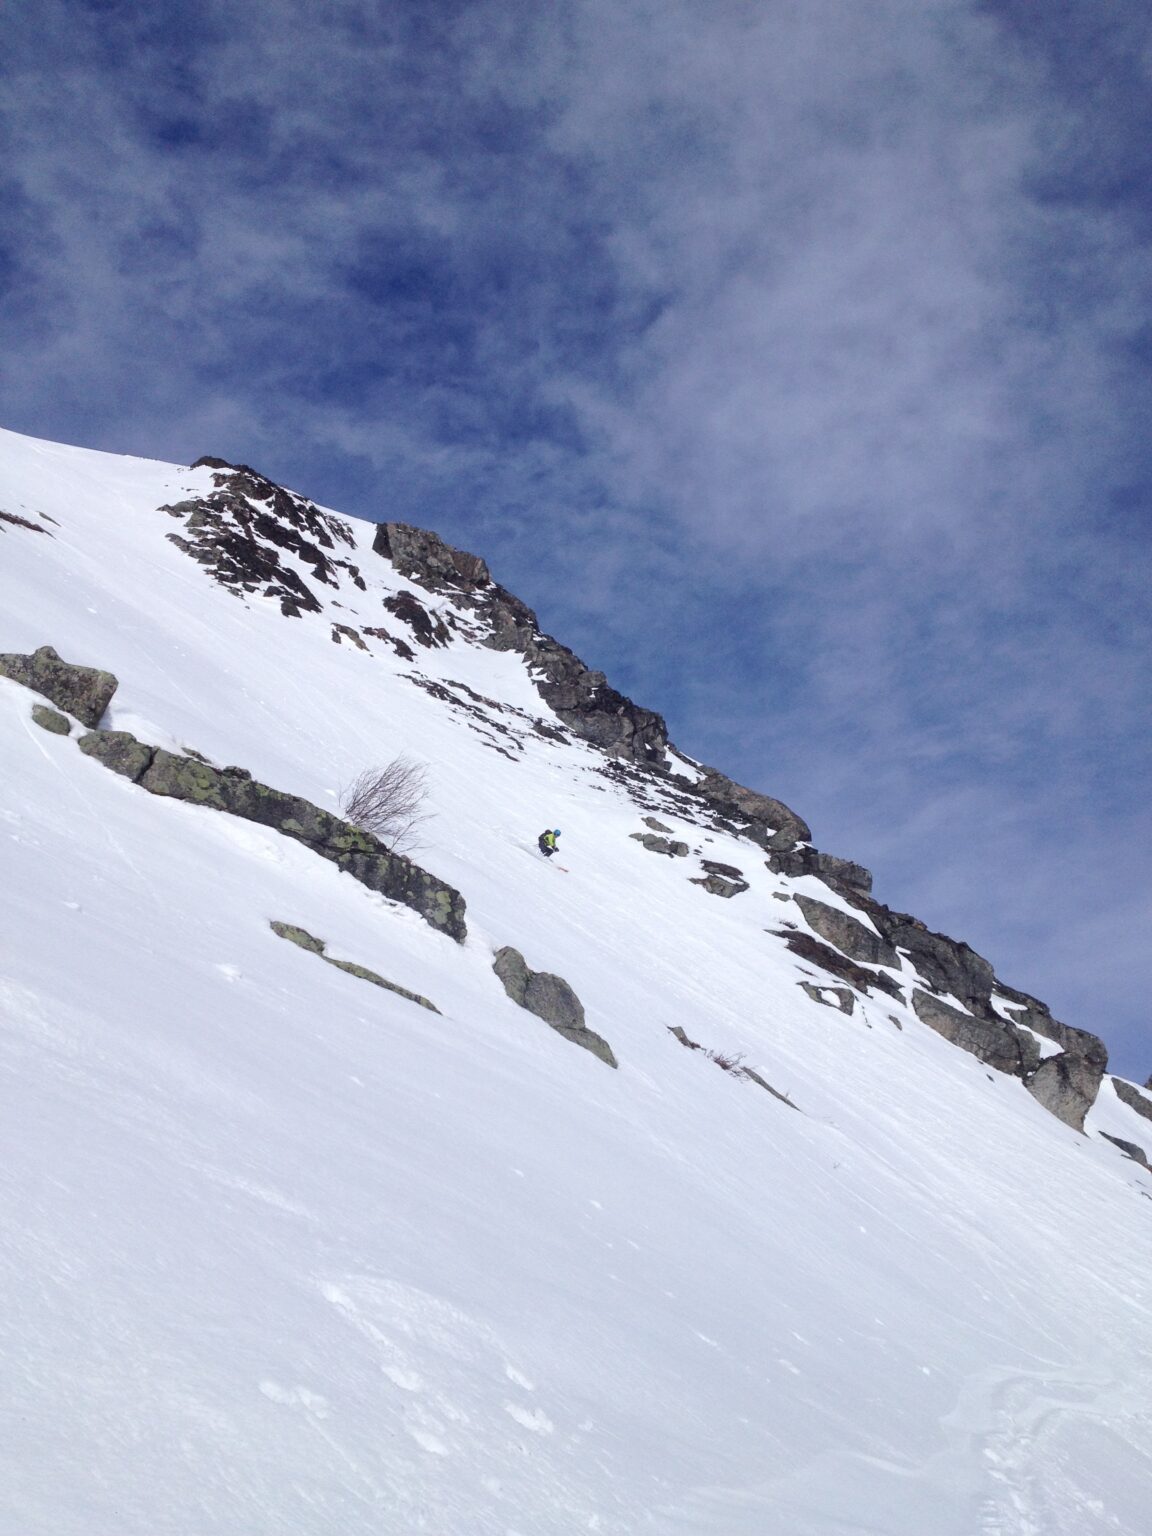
[(389, 802), (728, 1062)]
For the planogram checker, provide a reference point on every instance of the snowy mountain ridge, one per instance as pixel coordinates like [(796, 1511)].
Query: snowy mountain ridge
[(367, 1245)]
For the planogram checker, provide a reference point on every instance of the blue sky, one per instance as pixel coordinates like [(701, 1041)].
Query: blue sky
[(793, 358)]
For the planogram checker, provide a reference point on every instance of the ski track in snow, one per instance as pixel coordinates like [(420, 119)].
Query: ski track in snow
[(282, 1254)]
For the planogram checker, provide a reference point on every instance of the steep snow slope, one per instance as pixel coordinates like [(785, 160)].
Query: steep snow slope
[(286, 1253)]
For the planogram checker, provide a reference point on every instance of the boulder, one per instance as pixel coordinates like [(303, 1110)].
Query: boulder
[(717, 885), (656, 826), (550, 998), (51, 720), (655, 844), (831, 997), (84, 692), (1066, 1085), (847, 933)]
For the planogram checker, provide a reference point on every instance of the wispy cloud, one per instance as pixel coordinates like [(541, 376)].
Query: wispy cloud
[(791, 357)]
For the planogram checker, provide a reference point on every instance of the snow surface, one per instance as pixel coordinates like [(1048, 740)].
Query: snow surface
[(284, 1253)]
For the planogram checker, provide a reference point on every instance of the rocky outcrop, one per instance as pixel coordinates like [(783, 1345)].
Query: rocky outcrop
[(234, 791), (550, 998), (766, 821), (836, 964), (847, 933), (831, 997), (241, 531), (806, 860), (580, 696), (656, 844), (1129, 1149), (305, 940), (718, 885), (84, 692), (1135, 1099), (990, 1040)]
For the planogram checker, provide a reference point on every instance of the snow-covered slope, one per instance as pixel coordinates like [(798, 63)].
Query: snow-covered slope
[(285, 1252)]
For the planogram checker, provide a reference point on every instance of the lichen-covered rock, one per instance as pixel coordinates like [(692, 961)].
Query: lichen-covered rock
[(298, 936), (84, 692), (118, 750), (550, 998), (847, 933), (234, 791), (51, 720), (305, 940), (991, 1040)]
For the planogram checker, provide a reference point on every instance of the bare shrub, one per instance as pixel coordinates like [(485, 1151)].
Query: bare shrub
[(728, 1062), (389, 802)]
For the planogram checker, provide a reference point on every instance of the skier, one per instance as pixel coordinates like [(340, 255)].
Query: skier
[(547, 843)]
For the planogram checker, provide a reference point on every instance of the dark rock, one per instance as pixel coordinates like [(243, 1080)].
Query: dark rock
[(239, 531), (550, 998), (729, 871), (118, 750), (84, 692), (403, 650), (51, 720), (348, 632), (656, 826), (580, 696), (836, 964), (425, 557), (718, 886), (21, 522), (1135, 1099), (770, 822), (807, 860), (664, 845), (843, 998), (990, 1040), (411, 611), (848, 934), (1129, 1148)]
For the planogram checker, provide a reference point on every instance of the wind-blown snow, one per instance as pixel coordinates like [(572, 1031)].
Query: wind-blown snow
[(285, 1253)]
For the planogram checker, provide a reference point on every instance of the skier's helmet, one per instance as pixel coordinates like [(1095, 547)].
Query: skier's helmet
[(555, 831)]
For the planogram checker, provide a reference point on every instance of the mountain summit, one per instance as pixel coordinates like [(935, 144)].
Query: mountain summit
[(359, 1187)]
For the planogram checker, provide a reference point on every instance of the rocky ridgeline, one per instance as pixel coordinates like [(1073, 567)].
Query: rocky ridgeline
[(994, 1022), (952, 989), (236, 531)]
